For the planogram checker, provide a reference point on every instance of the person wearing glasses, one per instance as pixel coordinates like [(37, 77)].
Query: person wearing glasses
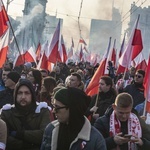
[(136, 88), (25, 120), (71, 130)]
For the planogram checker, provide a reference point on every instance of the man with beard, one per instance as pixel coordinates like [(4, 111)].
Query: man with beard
[(71, 130), (25, 119)]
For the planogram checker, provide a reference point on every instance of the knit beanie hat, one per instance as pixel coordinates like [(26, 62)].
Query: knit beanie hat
[(14, 76), (74, 98), (62, 96)]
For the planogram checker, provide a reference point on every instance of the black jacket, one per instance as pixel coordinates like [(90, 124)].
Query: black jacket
[(6, 97)]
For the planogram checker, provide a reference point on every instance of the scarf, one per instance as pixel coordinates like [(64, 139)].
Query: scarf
[(134, 128)]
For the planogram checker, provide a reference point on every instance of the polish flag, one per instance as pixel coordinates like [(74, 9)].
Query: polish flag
[(38, 52), (122, 46), (30, 55), (133, 48), (44, 63), (140, 62), (4, 47), (20, 59), (92, 88), (81, 53), (82, 41), (147, 88), (70, 53), (3, 19), (62, 50), (54, 53)]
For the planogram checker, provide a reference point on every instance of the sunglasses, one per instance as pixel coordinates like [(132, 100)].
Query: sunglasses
[(138, 76), (57, 108)]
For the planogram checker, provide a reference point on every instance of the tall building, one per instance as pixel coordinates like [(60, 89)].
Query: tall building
[(101, 30), (35, 26), (144, 25)]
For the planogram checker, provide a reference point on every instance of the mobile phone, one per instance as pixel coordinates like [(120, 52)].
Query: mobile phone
[(127, 136)]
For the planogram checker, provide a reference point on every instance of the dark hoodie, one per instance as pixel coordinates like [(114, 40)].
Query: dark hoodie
[(24, 110)]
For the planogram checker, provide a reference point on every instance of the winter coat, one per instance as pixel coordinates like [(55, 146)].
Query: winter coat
[(25, 132), (6, 97), (102, 124), (136, 93), (87, 139), (104, 101)]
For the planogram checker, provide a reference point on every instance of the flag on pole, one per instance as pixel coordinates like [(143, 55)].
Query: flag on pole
[(38, 52), (30, 55), (132, 49), (140, 62), (54, 53), (82, 41), (122, 46), (147, 87), (3, 19), (92, 88), (81, 53), (62, 50), (4, 47)]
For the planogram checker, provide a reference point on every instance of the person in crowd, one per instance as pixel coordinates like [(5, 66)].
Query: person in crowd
[(6, 96), (88, 76), (44, 73), (3, 134), (136, 89), (75, 81), (5, 71), (101, 101), (25, 119), (59, 77), (27, 67), (35, 77), (71, 130), (123, 81), (48, 84), (132, 72), (120, 127)]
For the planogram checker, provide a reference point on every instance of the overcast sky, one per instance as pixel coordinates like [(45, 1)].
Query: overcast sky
[(69, 11)]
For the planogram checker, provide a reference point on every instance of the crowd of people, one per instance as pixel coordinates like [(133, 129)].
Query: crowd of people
[(49, 110)]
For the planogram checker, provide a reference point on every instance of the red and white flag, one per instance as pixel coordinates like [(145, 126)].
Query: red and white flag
[(147, 88), (3, 19), (92, 88), (70, 53), (81, 53), (122, 46), (140, 62), (4, 47), (38, 52), (20, 59), (54, 53), (133, 48), (82, 41), (30, 55), (62, 50)]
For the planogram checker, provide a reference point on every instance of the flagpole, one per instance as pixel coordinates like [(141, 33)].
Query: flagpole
[(13, 33)]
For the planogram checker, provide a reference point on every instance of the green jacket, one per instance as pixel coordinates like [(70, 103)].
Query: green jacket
[(25, 132)]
